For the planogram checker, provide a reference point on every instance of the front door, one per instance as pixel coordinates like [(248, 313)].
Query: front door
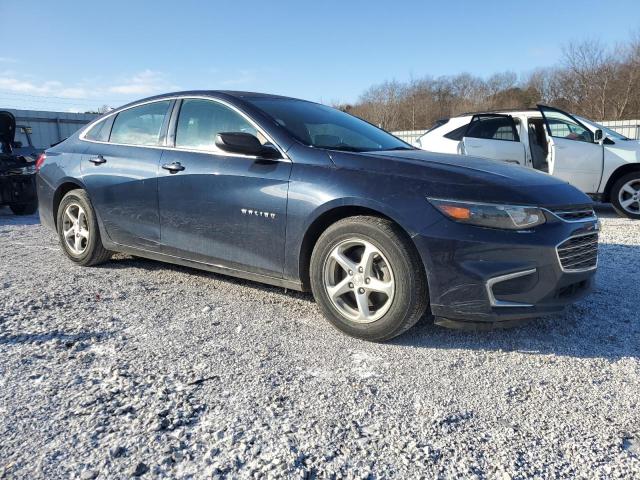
[(574, 156), (221, 208), (120, 168), (494, 136)]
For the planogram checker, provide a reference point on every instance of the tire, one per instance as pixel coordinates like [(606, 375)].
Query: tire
[(623, 190), (394, 267), (24, 208), (89, 251)]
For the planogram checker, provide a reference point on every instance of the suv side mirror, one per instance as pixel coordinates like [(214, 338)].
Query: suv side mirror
[(240, 142), (598, 136)]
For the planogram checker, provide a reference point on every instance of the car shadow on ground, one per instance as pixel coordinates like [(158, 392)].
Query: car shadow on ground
[(605, 210), (7, 217), (122, 261), (603, 325), (68, 340), (569, 334)]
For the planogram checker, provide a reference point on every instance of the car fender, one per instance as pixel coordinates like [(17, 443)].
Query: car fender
[(616, 158), (62, 186), (363, 203)]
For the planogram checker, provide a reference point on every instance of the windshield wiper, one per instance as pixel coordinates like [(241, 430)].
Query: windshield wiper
[(342, 148), (399, 148)]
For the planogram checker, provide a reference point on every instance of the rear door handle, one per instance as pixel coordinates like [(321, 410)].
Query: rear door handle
[(99, 160), (174, 167)]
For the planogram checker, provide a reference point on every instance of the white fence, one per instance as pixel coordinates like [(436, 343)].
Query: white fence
[(628, 128), (409, 136)]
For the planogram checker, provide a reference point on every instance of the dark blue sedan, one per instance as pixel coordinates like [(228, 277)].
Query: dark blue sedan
[(300, 195)]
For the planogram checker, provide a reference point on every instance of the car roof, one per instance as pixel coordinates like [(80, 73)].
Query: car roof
[(222, 94), (213, 93), (502, 110)]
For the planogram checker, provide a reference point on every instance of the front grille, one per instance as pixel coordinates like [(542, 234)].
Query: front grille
[(574, 214), (579, 253)]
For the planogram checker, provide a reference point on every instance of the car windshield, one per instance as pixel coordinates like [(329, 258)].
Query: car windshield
[(607, 131), (320, 126)]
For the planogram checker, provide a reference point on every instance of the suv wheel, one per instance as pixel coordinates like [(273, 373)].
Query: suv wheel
[(368, 278), (78, 230), (625, 195)]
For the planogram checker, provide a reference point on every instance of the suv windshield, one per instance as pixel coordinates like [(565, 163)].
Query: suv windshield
[(320, 126), (608, 132)]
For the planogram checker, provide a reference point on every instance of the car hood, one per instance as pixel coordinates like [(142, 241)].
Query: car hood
[(466, 178), (627, 150)]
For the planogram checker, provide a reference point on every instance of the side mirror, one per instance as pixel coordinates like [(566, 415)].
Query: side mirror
[(239, 142), (598, 136)]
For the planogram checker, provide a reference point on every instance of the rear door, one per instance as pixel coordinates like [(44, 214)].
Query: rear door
[(574, 156), (494, 136), (120, 172)]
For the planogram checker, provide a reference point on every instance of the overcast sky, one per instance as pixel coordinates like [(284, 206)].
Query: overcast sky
[(65, 55)]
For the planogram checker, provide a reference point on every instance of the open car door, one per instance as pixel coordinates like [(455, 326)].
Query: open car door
[(495, 136), (574, 155)]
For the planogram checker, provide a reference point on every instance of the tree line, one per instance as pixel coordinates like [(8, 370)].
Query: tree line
[(591, 79)]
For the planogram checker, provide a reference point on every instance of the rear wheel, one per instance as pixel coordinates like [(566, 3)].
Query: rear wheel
[(625, 195), (78, 230), (24, 208), (368, 279)]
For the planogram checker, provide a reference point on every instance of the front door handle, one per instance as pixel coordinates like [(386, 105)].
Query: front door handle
[(174, 167), (99, 160)]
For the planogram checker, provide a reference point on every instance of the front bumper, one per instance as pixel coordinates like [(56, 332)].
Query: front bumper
[(486, 276)]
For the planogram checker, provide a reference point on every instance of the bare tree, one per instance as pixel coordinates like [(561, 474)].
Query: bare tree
[(591, 80)]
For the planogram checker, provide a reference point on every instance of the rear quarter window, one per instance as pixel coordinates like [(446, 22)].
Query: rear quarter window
[(100, 131), (458, 133)]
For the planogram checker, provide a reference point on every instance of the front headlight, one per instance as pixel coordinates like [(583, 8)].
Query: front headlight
[(490, 215)]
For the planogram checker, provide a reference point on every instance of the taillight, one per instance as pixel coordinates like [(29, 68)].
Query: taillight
[(40, 161)]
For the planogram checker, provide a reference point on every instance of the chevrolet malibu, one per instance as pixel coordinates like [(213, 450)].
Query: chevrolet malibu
[(302, 196)]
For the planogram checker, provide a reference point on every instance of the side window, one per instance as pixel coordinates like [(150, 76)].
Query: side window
[(562, 125), (200, 121), (100, 131), (564, 129), (140, 125), (458, 133), (493, 128)]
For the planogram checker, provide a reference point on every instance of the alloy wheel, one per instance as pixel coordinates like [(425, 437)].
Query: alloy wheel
[(629, 196), (359, 280), (75, 229)]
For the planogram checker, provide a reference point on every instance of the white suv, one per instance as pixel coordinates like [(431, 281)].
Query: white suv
[(595, 159)]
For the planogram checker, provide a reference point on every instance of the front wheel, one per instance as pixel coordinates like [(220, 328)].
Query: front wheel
[(78, 230), (625, 195), (368, 279)]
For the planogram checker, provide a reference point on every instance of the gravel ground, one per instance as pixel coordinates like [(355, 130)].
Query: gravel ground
[(141, 368)]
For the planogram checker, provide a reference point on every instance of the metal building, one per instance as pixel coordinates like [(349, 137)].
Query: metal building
[(47, 128)]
